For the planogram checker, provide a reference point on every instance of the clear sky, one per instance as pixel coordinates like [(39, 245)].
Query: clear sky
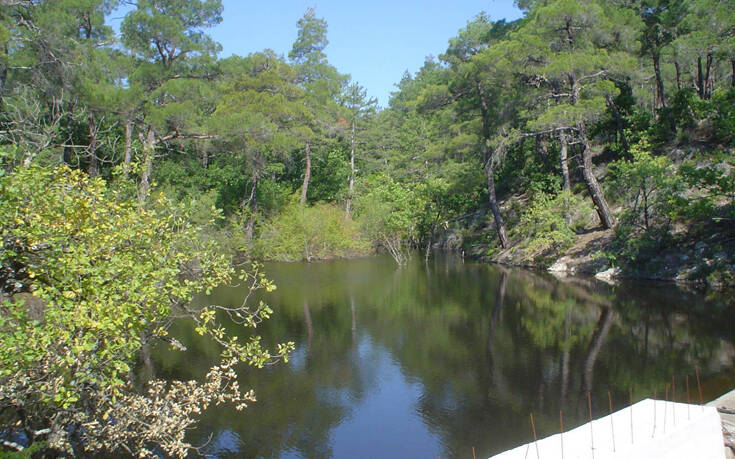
[(374, 41)]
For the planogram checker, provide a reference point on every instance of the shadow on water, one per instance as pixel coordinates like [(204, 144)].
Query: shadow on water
[(438, 358)]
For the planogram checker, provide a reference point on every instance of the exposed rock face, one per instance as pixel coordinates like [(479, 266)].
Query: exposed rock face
[(561, 266), (697, 264), (703, 262), (609, 275)]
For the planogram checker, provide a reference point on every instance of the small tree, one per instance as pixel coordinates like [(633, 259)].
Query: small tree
[(649, 185), (548, 226), (387, 213), (87, 279), (309, 233)]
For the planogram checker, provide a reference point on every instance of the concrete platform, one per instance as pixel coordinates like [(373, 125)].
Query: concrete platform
[(648, 429), (727, 402)]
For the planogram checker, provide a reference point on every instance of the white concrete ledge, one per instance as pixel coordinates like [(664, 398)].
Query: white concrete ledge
[(659, 429)]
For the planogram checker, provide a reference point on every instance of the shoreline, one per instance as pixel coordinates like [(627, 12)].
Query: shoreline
[(706, 264)]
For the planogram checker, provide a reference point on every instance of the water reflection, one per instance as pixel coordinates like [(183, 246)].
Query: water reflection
[(437, 358)]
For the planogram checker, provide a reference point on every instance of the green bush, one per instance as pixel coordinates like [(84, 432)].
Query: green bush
[(649, 186), (724, 116), (308, 233), (688, 109), (548, 226), (91, 277), (633, 247), (389, 215)]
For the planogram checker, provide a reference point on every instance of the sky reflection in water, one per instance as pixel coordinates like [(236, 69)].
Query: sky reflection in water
[(434, 360)]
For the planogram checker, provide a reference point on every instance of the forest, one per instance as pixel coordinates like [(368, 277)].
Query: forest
[(137, 168)]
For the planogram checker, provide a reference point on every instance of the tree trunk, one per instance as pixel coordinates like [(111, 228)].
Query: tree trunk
[(700, 78), (598, 198), (354, 319), (732, 77), (678, 75), (429, 243), (149, 370), (660, 97), (205, 159), (598, 339), (542, 150), (149, 150), (708, 76), (645, 209), (128, 157), (495, 316), (563, 154), (490, 166), (309, 327), (618, 124), (348, 206), (307, 174), (493, 201), (253, 203), (93, 168), (3, 77)]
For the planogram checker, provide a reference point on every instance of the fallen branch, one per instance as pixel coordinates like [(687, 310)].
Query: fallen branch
[(12, 445)]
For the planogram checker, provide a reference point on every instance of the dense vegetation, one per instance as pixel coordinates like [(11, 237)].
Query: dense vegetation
[(128, 159)]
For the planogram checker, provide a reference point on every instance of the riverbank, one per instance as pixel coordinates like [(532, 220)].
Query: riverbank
[(684, 233), (709, 262)]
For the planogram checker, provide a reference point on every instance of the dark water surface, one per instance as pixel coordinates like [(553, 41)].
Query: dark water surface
[(433, 360)]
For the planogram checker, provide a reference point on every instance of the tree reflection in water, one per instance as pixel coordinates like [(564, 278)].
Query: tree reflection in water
[(450, 355)]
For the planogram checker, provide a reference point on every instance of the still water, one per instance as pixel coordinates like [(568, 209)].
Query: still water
[(435, 359)]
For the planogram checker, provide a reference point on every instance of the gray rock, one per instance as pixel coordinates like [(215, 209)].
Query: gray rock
[(608, 274), (559, 267)]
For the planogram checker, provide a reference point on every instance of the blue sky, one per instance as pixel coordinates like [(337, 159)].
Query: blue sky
[(374, 41)]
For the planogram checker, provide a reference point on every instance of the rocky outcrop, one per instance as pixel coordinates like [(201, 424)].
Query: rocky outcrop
[(710, 262), (705, 263)]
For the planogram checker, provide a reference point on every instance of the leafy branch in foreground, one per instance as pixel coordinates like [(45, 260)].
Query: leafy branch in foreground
[(87, 279)]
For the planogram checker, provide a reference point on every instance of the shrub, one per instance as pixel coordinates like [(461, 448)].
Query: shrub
[(723, 101), (308, 233), (649, 186), (92, 278), (548, 226), (388, 214)]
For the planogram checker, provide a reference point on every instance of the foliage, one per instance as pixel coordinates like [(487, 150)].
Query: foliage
[(650, 186), (713, 183), (301, 232), (330, 176), (387, 213), (724, 117), (549, 224), (708, 118), (651, 191), (94, 276), (102, 277)]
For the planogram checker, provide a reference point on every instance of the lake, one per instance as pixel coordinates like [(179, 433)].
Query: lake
[(439, 358)]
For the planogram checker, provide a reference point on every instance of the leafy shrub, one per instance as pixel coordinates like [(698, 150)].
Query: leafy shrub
[(91, 279), (688, 109), (724, 117), (308, 233), (713, 183), (639, 123), (651, 192), (649, 186), (549, 224), (388, 213)]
